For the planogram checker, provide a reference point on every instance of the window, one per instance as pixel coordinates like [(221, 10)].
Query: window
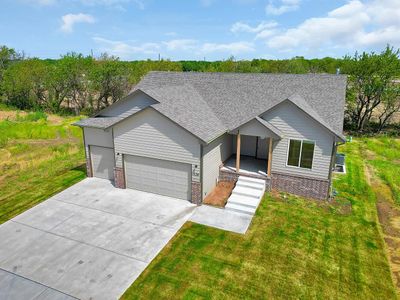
[(300, 154)]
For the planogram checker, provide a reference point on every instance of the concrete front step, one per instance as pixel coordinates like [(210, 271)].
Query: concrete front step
[(250, 184), (245, 201), (240, 208), (251, 179), (246, 191)]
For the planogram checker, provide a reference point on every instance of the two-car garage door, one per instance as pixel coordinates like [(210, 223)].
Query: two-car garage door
[(158, 176)]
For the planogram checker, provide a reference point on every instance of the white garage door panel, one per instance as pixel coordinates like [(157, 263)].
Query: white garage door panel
[(102, 162), (158, 176)]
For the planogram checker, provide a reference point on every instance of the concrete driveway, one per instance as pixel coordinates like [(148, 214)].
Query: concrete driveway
[(90, 241)]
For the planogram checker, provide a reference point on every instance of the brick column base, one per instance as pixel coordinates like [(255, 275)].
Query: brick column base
[(196, 193), (88, 169), (119, 178), (227, 176), (302, 186)]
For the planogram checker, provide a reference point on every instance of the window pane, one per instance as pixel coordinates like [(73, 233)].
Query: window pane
[(294, 153), (307, 154)]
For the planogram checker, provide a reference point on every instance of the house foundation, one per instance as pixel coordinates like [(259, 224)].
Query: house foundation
[(302, 186)]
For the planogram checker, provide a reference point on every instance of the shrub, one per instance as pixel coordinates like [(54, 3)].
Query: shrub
[(31, 117)]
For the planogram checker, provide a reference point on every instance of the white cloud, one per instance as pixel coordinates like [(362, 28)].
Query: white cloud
[(353, 25), (282, 7), (230, 48), (266, 34), (128, 50), (243, 27), (181, 44), (69, 20), (125, 50)]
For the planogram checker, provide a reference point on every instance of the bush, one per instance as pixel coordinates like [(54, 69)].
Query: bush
[(31, 117)]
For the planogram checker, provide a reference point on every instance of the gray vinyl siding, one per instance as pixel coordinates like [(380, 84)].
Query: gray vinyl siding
[(295, 124), (214, 154), (128, 106), (254, 128), (98, 137), (150, 134)]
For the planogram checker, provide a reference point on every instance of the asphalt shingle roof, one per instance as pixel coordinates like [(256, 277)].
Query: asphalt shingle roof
[(210, 104), (98, 122)]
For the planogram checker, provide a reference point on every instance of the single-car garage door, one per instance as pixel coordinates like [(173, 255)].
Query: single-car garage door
[(102, 162), (158, 176)]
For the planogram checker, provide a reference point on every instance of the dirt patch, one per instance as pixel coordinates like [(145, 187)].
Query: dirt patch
[(10, 115), (370, 155), (54, 119), (389, 218), (220, 194)]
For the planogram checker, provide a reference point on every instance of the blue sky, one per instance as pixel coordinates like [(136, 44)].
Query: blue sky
[(198, 29)]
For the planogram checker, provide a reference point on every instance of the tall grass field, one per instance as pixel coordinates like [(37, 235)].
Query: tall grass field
[(40, 155)]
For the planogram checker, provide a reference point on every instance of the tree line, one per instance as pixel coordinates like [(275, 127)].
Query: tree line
[(81, 84)]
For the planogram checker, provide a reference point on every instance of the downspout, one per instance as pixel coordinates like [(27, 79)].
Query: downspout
[(201, 171)]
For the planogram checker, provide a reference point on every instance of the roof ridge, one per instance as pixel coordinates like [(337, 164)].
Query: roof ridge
[(248, 73), (211, 109)]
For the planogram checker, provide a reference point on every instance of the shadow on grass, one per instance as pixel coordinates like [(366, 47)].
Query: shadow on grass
[(81, 168)]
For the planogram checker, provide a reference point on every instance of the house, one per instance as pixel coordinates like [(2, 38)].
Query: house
[(178, 133)]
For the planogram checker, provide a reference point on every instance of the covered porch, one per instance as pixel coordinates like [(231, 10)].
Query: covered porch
[(252, 149), (248, 166)]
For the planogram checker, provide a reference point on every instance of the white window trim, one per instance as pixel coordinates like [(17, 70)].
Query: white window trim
[(301, 151)]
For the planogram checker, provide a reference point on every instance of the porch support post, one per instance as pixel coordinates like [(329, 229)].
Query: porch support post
[(269, 157), (238, 152)]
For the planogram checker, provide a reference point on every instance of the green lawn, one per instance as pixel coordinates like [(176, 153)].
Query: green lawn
[(38, 158), (294, 248), (385, 158)]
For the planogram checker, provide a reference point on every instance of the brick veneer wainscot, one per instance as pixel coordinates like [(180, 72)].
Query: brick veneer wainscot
[(119, 177), (196, 193), (302, 186)]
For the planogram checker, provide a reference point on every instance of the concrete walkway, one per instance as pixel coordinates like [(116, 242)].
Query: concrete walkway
[(222, 219), (239, 209), (90, 241)]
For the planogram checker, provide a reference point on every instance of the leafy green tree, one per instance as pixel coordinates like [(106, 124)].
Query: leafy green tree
[(370, 75), (109, 80), (24, 84), (58, 86), (7, 56), (391, 104), (74, 69)]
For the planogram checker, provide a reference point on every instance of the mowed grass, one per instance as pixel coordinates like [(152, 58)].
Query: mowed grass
[(294, 249), (384, 156), (38, 158)]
